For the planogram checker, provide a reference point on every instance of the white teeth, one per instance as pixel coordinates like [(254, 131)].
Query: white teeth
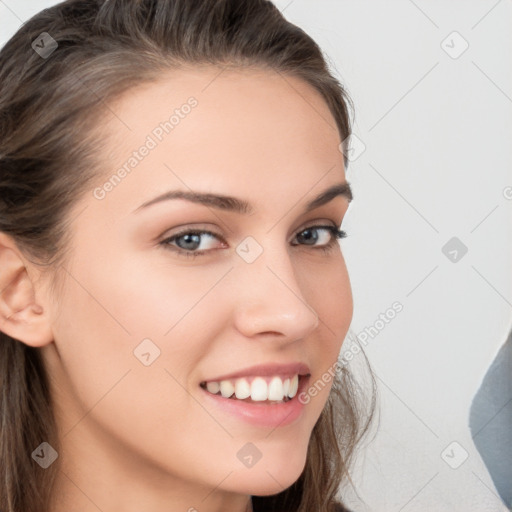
[(242, 389), (258, 390), (226, 388), (294, 385), (286, 387), (213, 387), (275, 389)]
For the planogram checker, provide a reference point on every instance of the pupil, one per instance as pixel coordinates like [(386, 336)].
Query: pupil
[(313, 236), (189, 239)]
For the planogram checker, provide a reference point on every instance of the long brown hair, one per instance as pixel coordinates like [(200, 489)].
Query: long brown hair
[(50, 103)]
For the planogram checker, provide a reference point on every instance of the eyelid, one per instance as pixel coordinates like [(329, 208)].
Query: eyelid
[(335, 234), (187, 228), (198, 228), (316, 224)]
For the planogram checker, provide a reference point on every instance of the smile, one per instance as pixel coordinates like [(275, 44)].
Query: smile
[(255, 389)]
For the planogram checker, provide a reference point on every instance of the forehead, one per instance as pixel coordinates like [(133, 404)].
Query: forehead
[(221, 130), (233, 106)]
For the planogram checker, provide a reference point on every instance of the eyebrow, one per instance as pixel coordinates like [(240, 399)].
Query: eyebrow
[(241, 206)]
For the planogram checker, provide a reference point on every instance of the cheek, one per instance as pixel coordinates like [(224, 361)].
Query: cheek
[(106, 312), (102, 321), (140, 299), (328, 291), (113, 307), (329, 294)]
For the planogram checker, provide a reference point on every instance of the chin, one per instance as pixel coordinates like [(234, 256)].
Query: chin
[(266, 485), (271, 478)]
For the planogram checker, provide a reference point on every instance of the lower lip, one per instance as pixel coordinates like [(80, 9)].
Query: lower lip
[(262, 414)]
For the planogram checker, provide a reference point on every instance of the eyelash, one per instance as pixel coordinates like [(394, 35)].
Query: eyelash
[(335, 232)]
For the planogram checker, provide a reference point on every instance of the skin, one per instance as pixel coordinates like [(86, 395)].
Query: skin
[(138, 437)]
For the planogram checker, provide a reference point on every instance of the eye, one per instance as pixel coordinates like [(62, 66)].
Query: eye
[(187, 242), (327, 241)]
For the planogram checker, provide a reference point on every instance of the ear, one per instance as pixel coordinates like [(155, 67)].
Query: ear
[(21, 316)]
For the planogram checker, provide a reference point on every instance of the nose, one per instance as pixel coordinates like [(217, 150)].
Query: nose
[(270, 300)]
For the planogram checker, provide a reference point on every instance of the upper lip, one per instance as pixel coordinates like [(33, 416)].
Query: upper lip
[(265, 370)]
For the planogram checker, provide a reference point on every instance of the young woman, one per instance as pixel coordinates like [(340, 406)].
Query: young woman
[(173, 295)]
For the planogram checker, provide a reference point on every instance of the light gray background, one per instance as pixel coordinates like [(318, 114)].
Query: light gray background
[(437, 132)]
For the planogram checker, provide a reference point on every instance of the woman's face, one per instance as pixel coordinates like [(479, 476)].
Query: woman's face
[(140, 325)]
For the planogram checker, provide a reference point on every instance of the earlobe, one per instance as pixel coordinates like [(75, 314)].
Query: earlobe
[(21, 316)]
